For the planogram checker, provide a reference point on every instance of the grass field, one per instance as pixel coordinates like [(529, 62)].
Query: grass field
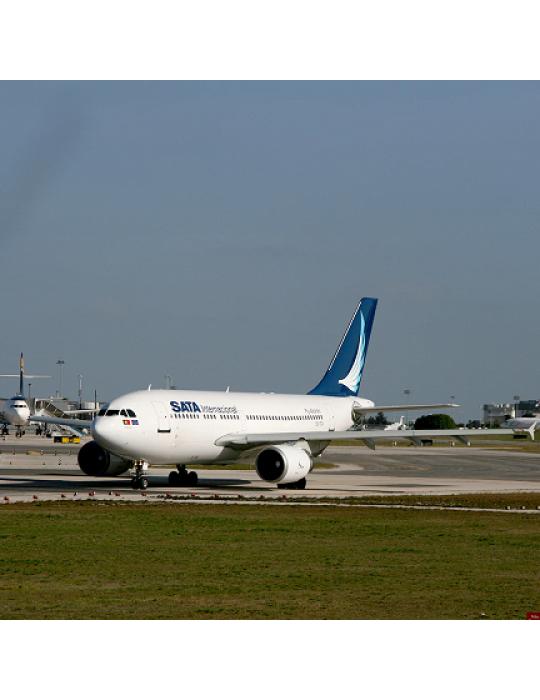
[(92, 560), (523, 500)]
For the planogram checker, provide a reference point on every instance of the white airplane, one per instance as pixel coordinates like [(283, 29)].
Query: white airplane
[(15, 410), (400, 425), (528, 424), (285, 431)]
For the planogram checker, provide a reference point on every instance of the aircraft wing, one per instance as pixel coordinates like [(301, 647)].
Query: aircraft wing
[(360, 410), (368, 437), (28, 376), (69, 422)]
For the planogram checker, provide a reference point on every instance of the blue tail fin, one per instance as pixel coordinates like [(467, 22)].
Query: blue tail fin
[(344, 374)]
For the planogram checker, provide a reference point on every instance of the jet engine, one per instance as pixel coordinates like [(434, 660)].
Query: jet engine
[(283, 464), (95, 461)]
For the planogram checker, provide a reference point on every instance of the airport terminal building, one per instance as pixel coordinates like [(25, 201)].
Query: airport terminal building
[(497, 413)]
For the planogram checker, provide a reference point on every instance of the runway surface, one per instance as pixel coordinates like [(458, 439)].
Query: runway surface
[(36, 468)]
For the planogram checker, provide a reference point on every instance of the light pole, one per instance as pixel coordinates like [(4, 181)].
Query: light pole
[(29, 391), (407, 393), (60, 364), (517, 398), (80, 391)]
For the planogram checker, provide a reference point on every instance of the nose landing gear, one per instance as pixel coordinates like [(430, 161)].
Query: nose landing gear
[(138, 475), (182, 477)]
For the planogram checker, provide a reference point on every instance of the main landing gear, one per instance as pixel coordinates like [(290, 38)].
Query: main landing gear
[(138, 478), (296, 485), (5, 430), (20, 432), (182, 477)]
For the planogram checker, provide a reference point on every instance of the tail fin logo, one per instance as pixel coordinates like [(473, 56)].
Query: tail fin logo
[(343, 376), (352, 380)]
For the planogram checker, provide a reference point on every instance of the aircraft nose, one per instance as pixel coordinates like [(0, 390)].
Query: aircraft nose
[(106, 433), (22, 413)]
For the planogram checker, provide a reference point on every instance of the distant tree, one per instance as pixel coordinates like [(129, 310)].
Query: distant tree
[(529, 415), (378, 419), (435, 421)]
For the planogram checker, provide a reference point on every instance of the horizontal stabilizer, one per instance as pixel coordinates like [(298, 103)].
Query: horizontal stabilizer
[(28, 376), (360, 410)]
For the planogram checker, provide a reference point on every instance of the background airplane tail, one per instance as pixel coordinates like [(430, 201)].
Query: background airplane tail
[(343, 376), (21, 375)]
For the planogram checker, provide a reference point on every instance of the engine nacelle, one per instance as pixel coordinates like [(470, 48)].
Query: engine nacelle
[(95, 461), (283, 464)]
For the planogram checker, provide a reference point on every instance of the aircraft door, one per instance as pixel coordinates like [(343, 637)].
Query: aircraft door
[(163, 418), (332, 421)]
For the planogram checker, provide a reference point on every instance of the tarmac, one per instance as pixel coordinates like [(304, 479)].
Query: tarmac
[(33, 468)]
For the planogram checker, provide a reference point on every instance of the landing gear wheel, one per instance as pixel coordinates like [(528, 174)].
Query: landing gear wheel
[(174, 479), (183, 478), (139, 480), (141, 483)]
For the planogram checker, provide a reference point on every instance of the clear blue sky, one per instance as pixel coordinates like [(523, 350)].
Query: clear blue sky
[(223, 232)]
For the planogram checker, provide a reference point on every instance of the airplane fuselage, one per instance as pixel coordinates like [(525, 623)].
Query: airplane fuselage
[(522, 423), (179, 427)]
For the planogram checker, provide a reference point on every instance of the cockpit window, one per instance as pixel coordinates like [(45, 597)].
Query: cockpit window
[(117, 412)]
